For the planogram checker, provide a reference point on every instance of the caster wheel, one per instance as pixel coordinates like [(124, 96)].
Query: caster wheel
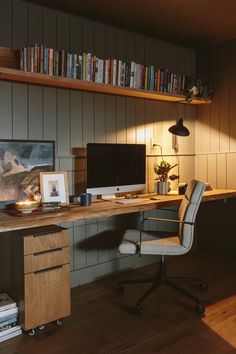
[(203, 286), (138, 310), (200, 309), (41, 327), (31, 332), (120, 289), (58, 322)]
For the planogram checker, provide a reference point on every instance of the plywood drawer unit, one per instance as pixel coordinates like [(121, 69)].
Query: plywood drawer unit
[(47, 259), (39, 277), (44, 242), (47, 295)]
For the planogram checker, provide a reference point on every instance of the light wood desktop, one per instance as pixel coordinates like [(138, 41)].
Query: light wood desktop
[(100, 209)]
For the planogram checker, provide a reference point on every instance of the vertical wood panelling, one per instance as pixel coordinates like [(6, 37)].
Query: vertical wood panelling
[(49, 28), (202, 165), (149, 51), (63, 122), (35, 112), (74, 118), (206, 126), (6, 110), (212, 170), (88, 118), (131, 120), (19, 24), (232, 98), (224, 100), (91, 244), (140, 121), (103, 251), (221, 171), (50, 114), (231, 163), (216, 127), (88, 36), (6, 24), (130, 46), (20, 111), (35, 24), (121, 120), (99, 118), (76, 34), (99, 40), (186, 168), (63, 31), (121, 44), (215, 105), (79, 252), (110, 119)]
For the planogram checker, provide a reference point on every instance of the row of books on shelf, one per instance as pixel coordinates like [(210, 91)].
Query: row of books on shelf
[(9, 326), (40, 59)]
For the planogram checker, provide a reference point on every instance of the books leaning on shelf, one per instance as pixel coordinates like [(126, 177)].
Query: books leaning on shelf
[(37, 58), (8, 318)]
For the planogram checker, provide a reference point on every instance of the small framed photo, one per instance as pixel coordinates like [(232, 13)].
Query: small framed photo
[(54, 188)]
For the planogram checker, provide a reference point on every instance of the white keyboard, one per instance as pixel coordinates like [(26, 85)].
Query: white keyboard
[(130, 200)]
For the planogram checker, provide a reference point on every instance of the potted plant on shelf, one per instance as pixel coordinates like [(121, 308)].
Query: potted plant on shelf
[(197, 88), (162, 185)]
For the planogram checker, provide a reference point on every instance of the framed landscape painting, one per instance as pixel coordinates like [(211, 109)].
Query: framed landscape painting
[(21, 161)]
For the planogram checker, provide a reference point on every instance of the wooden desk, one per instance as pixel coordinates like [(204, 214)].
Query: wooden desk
[(99, 209)]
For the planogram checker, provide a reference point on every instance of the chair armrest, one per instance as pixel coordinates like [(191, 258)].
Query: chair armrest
[(167, 220), (159, 219)]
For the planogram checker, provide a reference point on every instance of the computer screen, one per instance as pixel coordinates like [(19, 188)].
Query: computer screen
[(115, 168)]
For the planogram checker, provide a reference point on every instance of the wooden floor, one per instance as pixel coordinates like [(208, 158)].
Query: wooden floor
[(102, 321)]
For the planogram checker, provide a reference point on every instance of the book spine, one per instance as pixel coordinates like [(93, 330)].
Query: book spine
[(88, 67), (132, 69), (7, 326), (41, 59), (84, 66), (45, 60), (31, 58), (107, 71), (114, 74)]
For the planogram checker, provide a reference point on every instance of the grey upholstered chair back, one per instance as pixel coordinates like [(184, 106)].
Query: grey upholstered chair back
[(188, 211)]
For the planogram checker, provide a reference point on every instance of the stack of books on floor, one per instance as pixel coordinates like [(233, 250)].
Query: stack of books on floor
[(8, 318)]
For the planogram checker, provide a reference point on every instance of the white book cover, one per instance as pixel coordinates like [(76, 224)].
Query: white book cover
[(6, 302), (114, 80), (7, 313), (11, 335), (10, 330), (100, 70)]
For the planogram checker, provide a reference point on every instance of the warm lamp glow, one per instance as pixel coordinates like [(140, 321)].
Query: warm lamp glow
[(25, 202)]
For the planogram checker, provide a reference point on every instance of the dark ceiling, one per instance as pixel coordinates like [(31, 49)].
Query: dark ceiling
[(192, 23)]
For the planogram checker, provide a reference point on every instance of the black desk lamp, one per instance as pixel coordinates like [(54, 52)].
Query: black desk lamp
[(179, 129)]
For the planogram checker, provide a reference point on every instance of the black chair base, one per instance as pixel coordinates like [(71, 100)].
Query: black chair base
[(161, 278)]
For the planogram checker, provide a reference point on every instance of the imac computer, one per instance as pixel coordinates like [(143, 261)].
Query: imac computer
[(115, 168)]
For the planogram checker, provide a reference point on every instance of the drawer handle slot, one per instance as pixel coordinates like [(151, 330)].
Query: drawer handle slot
[(48, 269), (48, 251)]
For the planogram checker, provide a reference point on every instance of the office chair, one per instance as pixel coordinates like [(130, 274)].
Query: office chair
[(155, 243)]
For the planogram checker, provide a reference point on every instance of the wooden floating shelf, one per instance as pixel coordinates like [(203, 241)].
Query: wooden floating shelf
[(57, 81)]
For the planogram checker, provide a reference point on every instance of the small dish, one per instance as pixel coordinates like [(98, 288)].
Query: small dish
[(26, 206)]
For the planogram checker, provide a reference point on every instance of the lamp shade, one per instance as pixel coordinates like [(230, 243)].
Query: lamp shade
[(179, 129)]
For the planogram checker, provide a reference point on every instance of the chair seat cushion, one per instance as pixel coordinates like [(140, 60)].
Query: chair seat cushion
[(153, 242)]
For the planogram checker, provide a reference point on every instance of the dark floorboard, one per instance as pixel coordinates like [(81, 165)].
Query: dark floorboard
[(103, 322)]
